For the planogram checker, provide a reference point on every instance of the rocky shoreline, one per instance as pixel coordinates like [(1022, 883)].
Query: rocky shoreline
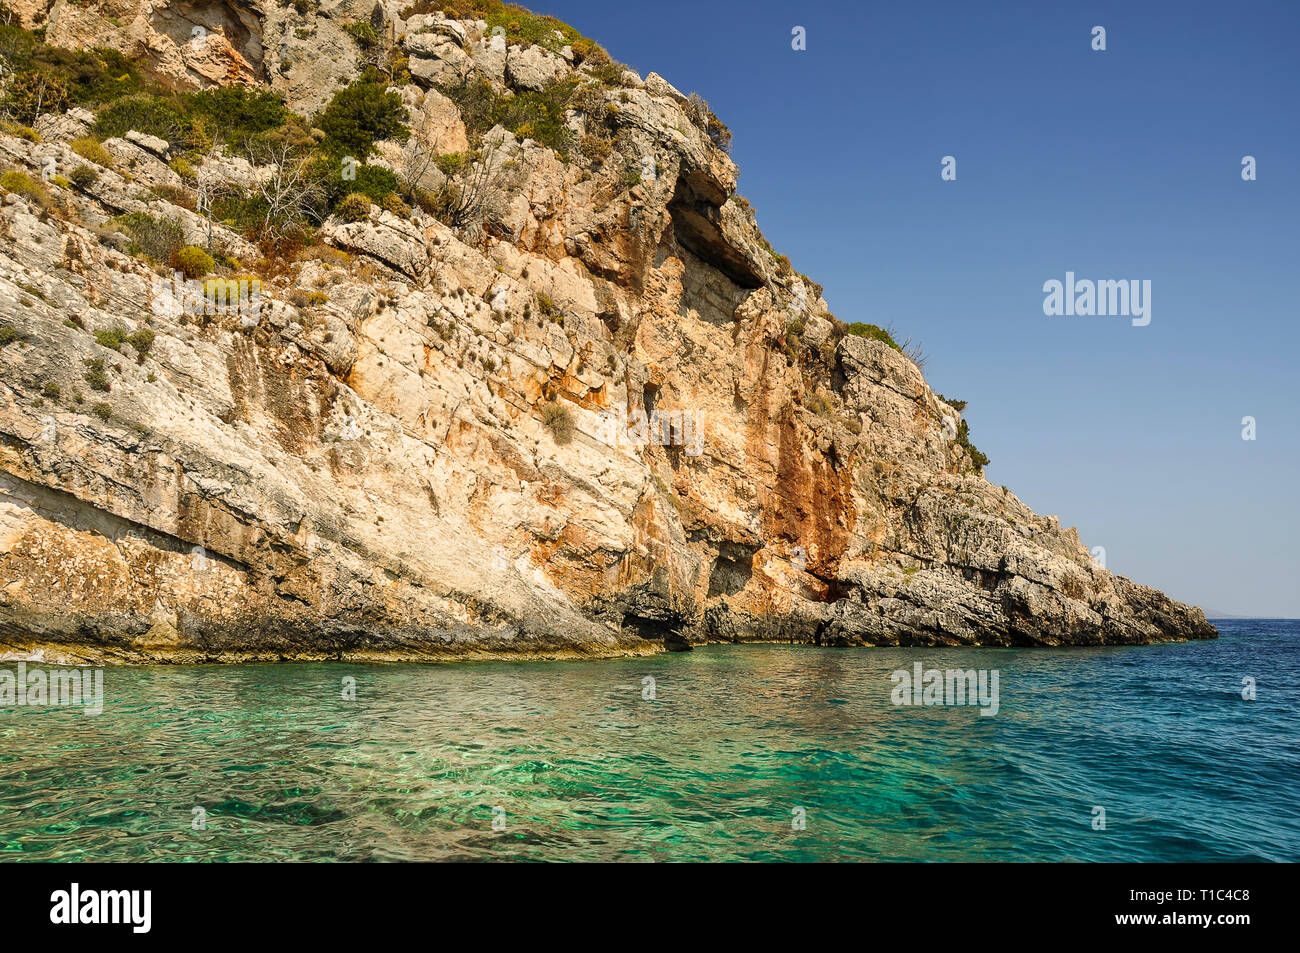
[(600, 416)]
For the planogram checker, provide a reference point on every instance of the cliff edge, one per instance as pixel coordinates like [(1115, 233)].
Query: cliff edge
[(360, 331)]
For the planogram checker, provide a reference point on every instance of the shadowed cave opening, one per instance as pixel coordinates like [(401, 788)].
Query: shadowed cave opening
[(731, 570), (696, 209), (657, 630)]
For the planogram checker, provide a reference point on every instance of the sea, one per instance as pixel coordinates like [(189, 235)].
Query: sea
[(1181, 752)]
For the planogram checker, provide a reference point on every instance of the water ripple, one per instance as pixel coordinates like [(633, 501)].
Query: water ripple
[(739, 742)]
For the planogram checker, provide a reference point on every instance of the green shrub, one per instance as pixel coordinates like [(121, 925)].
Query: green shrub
[(95, 375), (307, 299), (373, 181), (142, 341), (51, 390), (191, 261), (239, 112), (83, 76), (559, 421), (531, 114), (165, 116), (102, 411), (392, 203), (818, 403), (362, 32), (590, 52), (358, 116), (192, 121), (15, 181), (526, 28), (608, 73), (7, 335), (596, 148), (719, 133), (154, 238), (18, 129), (176, 195), (539, 114), (113, 339), (957, 405), (450, 163), (699, 111), (24, 185), (354, 208), (476, 99), (977, 459), (90, 149), (589, 100), (33, 92), (32, 290), (240, 210), (429, 201), (874, 333)]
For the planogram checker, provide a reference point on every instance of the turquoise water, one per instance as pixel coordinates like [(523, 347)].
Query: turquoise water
[(735, 740)]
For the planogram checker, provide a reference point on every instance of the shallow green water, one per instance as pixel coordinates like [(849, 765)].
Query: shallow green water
[(736, 739)]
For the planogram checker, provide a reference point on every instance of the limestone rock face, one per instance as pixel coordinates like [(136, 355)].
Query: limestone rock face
[(437, 60), (437, 121), (596, 417), (531, 67), (189, 41)]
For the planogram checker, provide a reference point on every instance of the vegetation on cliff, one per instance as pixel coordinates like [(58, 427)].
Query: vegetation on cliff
[(328, 154), (519, 25)]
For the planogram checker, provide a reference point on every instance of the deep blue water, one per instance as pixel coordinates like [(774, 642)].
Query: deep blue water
[(736, 743)]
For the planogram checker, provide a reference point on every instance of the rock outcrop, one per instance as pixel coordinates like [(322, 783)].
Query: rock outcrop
[(601, 417)]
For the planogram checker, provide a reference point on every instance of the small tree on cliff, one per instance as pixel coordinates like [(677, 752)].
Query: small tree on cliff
[(360, 115)]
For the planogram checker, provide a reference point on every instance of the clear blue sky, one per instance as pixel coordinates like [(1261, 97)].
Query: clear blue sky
[(1116, 164)]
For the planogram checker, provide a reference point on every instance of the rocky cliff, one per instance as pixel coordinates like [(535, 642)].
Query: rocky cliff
[(555, 395)]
